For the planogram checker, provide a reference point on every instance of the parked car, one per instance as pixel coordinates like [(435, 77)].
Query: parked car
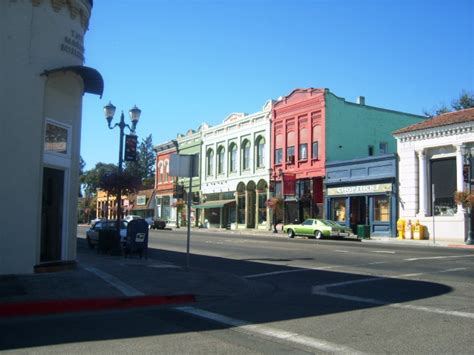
[(155, 223), (317, 228), (131, 217), (95, 220), (92, 235)]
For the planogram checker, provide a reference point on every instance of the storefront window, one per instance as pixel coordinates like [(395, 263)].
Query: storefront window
[(443, 177), (381, 209), (338, 209), (241, 210), (262, 209)]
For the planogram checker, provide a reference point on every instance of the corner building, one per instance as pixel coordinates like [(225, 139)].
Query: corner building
[(42, 81)]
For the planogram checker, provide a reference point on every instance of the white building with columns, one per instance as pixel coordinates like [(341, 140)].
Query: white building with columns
[(431, 165), (234, 171)]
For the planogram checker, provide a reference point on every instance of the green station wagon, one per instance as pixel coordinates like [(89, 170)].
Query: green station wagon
[(317, 228)]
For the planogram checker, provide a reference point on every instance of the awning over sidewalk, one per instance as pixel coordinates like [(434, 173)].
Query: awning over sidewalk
[(214, 204)]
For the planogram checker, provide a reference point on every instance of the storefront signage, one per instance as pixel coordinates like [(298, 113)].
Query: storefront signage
[(74, 44), (360, 189), (141, 200)]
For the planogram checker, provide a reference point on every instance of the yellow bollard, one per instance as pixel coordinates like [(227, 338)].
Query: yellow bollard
[(401, 228)]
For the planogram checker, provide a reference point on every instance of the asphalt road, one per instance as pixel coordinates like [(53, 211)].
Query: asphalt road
[(307, 296)]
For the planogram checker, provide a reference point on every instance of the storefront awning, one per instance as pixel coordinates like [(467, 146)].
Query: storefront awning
[(93, 82), (214, 204)]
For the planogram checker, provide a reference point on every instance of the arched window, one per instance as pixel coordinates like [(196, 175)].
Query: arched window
[(246, 155), (160, 172), (260, 144), (220, 160), (210, 162), (233, 158)]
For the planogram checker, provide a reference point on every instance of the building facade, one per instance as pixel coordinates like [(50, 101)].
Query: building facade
[(431, 172), (313, 127), (363, 192), (42, 84), (190, 144), (165, 207), (235, 171), (106, 205)]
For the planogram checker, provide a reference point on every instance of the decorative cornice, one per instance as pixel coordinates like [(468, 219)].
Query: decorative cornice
[(76, 8), (436, 132)]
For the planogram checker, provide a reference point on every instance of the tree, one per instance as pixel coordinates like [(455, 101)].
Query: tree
[(111, 183), (92, 178), (465, 100), (82, 165), (144, 167)]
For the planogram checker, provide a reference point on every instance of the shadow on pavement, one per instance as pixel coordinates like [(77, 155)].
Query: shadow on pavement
[(285, 294)]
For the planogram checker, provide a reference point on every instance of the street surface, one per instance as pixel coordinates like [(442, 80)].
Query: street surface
[(301, 296)]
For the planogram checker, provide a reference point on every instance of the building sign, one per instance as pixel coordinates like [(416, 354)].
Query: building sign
[(289, 184), (360, 189), (141, 200), (74, 44)]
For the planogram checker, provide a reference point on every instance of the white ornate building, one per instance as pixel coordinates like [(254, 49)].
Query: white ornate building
[(431, 156), (234, 171)]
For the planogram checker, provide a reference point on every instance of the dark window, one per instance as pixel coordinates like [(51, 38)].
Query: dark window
[(383, 148), (290, 151), (443, 176), (262, 209), (371, 150), (241, 210)]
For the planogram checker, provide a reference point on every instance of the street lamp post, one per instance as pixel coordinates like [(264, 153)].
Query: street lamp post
[(109, 111), (468, 154)]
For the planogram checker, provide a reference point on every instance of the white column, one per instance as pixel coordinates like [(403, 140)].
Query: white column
[(422, 186), (459, 175)]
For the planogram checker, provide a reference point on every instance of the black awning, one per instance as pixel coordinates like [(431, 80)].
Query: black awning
[(93, 82)]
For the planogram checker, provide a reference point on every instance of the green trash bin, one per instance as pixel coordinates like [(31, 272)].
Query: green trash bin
[(363, 231)]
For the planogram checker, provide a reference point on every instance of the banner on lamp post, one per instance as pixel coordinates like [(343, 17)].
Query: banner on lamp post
[(130, 148)]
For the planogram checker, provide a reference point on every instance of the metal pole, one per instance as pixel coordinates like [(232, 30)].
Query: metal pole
[(120, 170), (189, 212), (469, 240), (433, 196)]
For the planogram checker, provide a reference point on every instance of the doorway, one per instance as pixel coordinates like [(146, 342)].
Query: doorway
[(52, 215), (358, 211)]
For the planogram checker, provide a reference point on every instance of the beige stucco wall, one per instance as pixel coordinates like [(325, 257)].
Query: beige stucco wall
[(31, 35)]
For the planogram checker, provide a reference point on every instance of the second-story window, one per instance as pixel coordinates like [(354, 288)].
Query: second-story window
[(278, 156), (383, 148), (210, 162), (290, 153), (315, 152), (233, 158), (246, 155), (260, 152), (371, 150), (220, 160), (303, 153)]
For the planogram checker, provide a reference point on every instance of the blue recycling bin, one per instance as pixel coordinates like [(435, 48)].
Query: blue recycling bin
[(137, 238)]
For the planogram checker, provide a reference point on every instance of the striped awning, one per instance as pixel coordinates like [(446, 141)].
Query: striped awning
[(214, 204)]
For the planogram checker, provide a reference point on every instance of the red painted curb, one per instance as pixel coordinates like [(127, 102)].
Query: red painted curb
[(88, 304), (461, 246)]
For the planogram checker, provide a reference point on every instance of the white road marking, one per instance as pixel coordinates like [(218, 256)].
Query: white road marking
[(377, 263), (382, 251), (268, 332), (439, 257), (321, 290), (396, 305), (341, 251), (115, 282), (289, 271)]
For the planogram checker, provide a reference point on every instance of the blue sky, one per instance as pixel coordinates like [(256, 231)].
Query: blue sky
[(187, 62)]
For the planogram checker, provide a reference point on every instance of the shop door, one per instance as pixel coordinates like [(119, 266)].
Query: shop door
[(52, 215), (358, 211)]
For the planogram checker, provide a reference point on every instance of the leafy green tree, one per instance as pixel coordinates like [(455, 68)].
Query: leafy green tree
[(92, 178), (465, 100)]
